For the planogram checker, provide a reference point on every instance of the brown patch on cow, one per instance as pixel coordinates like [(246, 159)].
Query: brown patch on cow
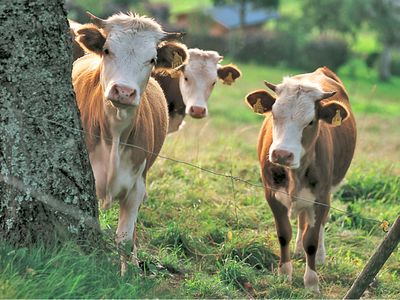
[(91, 38), (89, 96), (260, 101), (228, 74), (168, 54), (331, 110)]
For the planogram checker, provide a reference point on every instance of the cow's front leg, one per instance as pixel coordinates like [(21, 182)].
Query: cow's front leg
[(310, 244), (128, 213), (284, 231), (321, 252), (301, 225)]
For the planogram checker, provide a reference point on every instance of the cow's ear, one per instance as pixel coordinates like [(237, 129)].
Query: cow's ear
[(260, 101), (333, 112), (228, 74), (90, 38), (171, 56)]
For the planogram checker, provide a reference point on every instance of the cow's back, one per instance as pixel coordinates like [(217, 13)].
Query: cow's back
[(343, 137)]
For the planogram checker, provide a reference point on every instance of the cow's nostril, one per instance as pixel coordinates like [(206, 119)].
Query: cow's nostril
[(282, 157)]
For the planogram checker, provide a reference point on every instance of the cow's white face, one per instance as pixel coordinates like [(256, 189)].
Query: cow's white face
[(295, 114), (198, 80), (128, 46), (293, 111), (129, 57)]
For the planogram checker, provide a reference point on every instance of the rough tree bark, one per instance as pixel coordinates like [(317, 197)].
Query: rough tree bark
[(47, 189)]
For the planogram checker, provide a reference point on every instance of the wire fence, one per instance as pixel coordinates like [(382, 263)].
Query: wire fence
[(383, 224)]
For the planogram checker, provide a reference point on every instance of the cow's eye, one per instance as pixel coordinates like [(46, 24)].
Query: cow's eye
[(106, 51), (214, 83), (186, 79), (311, 123), (153, 61)]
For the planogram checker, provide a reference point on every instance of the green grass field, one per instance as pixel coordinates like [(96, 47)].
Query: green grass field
[(203, 236)]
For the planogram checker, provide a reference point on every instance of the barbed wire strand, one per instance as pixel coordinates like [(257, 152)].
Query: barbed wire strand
[(384, 224)]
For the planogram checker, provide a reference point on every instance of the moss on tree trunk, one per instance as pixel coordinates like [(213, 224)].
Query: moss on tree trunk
[(47, 189)]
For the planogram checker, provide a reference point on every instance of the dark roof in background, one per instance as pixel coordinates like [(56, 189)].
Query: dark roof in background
[(229, 15)]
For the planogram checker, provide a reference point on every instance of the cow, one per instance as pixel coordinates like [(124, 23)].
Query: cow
[(188, 89), (123, 110), (305, 148)]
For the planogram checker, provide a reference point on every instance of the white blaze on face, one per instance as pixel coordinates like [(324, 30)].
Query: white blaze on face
[(199, 78), (293, 110), (132, 46)]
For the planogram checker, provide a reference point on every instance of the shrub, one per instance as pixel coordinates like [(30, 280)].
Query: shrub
[(271, 48), (395, 68), (325, 50)]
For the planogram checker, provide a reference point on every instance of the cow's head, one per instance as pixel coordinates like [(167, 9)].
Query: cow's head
[(198, 78), (296, 112), (129, 46)]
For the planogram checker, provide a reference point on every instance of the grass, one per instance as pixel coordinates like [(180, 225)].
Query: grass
[(202, 237)]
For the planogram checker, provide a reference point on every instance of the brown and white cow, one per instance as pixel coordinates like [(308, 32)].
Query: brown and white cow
[(120, 104), (188, 90), (305, 147)]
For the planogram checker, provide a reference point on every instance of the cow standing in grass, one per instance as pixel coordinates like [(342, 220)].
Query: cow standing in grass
[(187, 90), (120, 104), (305, 147)]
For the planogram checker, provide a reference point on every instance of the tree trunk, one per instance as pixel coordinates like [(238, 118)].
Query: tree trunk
[(242, 14), (384, 63), (47, 191)]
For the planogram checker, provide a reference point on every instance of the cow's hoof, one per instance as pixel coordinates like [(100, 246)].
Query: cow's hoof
[(286, 269), (311, 280), (105, 204)]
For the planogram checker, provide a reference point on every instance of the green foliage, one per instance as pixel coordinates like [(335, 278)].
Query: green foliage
[(325, 50), (339, 15), (271, 48), (235, 272), (396, 64)]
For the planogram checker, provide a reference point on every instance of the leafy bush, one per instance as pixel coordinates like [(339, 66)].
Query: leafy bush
[(325, 50), (395, 68), (356, 68), (270, 48)]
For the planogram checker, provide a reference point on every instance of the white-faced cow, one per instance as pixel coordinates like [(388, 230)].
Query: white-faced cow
[(187, 91), (120, 104), (305, 147)]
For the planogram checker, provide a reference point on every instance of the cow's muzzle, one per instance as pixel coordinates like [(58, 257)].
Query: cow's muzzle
[(197, 112)]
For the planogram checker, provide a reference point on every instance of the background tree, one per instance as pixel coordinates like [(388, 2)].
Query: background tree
[(46, 183), (380, 16)]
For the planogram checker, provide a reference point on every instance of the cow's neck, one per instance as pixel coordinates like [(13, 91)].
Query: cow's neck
[(172, 91), (297, 176), (120, 125)]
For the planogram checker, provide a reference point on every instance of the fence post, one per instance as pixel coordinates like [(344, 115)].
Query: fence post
[(376, 262)]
